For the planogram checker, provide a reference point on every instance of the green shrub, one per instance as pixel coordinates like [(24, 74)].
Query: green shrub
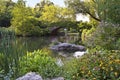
[(84, 25), (105, 35), (94, 66), (6, 31), (41, 62), (27, 27), (86, 37)]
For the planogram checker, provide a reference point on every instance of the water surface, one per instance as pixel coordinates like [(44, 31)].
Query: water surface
[(35, 43)]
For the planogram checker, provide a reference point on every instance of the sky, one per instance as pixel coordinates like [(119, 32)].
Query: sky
[(32, 3), (80, 17)]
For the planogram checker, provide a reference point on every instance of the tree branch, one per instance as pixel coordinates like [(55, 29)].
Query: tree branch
[(93, 16)]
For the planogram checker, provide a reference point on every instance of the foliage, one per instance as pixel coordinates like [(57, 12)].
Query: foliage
[(20, 14), (40, 6), (5, 13), (41, 62), (52, 14), (49, 13), (6, 31), (24, 23), (71, 26), (85, 7), (101, 65), (108, 10), (105, 35), (9, 60), (83, 26), (100, 10), (30, 27)]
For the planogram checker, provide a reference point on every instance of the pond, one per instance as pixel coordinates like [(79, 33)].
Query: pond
[(35, 43)]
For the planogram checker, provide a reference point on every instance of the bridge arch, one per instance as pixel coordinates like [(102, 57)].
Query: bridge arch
[(55, 30)]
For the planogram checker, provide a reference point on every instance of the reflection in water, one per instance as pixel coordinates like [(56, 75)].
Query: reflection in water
[(35, 43)]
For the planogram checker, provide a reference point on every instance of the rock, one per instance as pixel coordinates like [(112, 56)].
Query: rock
[(67, 47), (59, 78), (78, 54), (30, 76), (59, 62)]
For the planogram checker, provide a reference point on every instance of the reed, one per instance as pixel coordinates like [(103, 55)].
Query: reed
[(10, 55)]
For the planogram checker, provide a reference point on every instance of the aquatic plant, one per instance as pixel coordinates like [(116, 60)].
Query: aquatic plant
[(9, 55)]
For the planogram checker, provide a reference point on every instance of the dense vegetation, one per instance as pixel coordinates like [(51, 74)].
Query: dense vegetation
[(37, 21), (101, 36)]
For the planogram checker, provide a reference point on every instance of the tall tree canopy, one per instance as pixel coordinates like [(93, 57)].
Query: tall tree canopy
[(54, 13), (39, 7), (100, 10), (21, 14)]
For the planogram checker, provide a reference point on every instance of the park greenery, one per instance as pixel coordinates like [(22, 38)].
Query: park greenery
[(101, 37)]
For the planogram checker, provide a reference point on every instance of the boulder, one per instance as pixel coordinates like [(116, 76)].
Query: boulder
[(58, 78), (30, 76), (78, 54), (67, 47)]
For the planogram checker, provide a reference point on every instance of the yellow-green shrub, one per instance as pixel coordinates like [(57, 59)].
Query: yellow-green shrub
[(94, 66), (40, 61)]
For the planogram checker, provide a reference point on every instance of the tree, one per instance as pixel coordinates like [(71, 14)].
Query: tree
[(80, 6), (20, 15), (39, 7), (100, 10), (5, 12), (66, 14), (24, 22), (108, 10), (50, 13), (54, 13)]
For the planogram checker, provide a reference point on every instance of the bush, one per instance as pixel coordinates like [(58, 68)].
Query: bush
[(94, 66), (28, 27), (105, 36), (86, 37), (41, 62), (6, 31), (84, 25)]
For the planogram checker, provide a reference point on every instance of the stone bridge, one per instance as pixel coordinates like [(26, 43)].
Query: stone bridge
[(54, 30)]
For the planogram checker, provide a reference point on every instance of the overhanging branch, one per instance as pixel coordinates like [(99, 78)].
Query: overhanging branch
[(93, 17)]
